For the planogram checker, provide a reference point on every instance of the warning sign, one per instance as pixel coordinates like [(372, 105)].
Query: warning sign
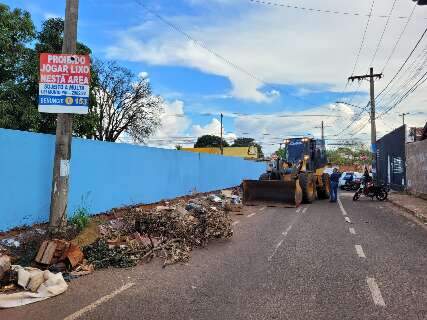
[(64, 83)]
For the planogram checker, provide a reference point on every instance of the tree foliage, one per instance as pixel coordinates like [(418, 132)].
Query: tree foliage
[(210, 141), (248, 142), (347, 156), (119, 102), (124, 104)]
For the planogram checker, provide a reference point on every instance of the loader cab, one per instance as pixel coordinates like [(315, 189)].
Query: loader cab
[(311, 152)]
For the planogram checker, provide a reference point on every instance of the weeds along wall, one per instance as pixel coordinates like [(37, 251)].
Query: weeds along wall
[(104, 175)]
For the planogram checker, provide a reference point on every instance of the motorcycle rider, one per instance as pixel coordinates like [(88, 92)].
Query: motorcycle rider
[(366, 177)]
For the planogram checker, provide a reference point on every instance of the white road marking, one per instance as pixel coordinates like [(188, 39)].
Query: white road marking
[(284, 234), (304, 210), (344, 213), (104, 299), (359, 251), (262, 209), (352, 231), (347, 219), (375, 291), (298, 210), (235, 222), (252, 214)]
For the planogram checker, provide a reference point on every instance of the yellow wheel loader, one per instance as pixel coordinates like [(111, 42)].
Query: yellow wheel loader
[(297, 177)]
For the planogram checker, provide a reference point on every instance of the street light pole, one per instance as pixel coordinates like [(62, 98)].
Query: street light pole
[(403, 116)]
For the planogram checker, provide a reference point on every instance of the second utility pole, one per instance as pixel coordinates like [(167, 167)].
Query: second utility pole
[(222, 147), (371, 77)]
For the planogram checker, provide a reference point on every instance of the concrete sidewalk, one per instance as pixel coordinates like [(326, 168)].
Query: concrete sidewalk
[(414, 205)]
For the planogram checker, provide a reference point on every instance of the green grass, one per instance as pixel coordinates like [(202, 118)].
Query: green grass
[(80, 218)]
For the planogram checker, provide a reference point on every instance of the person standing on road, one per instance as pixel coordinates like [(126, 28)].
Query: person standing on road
[(335, 177)]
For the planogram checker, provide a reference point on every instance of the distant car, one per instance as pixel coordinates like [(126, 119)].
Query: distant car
[(346, 176)]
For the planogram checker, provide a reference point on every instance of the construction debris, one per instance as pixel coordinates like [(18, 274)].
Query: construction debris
[(4, 265), (41, 284), (167, 231)]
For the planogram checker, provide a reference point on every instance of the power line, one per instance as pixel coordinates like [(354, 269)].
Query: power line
[(406, 83), (217, 55), (336, 12), (399, 38), (422, 57), (382, 34), (403, 64), (357, 61), (420, 82), (363, 38)]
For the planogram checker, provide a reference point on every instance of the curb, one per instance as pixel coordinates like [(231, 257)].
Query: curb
[(422, 219)]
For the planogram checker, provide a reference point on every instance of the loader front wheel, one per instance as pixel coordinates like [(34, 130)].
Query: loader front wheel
[(307, 186)]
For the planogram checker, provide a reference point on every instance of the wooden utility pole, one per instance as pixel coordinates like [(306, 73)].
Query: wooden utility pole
[(323, 131), (222, 147), (403, 116), (322, 128), (64, 128), (371, 77)]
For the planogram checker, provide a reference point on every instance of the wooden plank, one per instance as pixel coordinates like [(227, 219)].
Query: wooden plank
[(48, 253), (41, 251)]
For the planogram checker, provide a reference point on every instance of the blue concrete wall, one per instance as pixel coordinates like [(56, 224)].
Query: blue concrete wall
[(104, 175)]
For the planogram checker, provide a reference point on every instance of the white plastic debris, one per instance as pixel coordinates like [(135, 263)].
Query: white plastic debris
[(43, 284), (10, 242), (215, 198)]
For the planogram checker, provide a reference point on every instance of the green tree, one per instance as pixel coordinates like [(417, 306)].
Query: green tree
[(248, 142), (124, 104), (19, 95), (16, 32), (347, 155), (210, 141)]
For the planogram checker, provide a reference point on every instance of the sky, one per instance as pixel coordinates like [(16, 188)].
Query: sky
[(266, 67)]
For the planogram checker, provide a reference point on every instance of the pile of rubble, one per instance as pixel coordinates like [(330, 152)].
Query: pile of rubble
[(168, 231)]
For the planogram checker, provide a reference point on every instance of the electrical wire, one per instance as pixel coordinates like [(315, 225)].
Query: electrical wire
[(336, 12), (399, 38), (403, 64), (383, 33), (217, 55), (363, 38)]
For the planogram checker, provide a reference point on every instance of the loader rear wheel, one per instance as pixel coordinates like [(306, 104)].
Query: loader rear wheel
[(324, 191), (307, 186)]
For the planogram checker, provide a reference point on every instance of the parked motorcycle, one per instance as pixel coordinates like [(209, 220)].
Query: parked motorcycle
[(370, 190), (351, 185)]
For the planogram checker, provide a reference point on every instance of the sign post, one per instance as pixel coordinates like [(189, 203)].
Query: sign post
[(63, 89), (64, 83)]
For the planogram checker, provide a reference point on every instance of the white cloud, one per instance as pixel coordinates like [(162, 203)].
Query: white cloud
[(143, 74), (278, 45), (50, 15), (174, 124), (212, 128)]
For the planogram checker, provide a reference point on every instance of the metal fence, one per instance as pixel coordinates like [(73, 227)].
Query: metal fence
[(391, 159)]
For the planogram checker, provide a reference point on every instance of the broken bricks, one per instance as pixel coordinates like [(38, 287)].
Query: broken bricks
[(54, 251)]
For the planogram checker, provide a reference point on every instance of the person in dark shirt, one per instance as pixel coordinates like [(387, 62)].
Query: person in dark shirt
[(335, 177)]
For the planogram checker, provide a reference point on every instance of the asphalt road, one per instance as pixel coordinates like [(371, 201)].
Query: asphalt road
[(362, 261)]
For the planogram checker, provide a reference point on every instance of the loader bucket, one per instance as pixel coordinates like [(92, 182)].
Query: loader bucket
[(277, 193)]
